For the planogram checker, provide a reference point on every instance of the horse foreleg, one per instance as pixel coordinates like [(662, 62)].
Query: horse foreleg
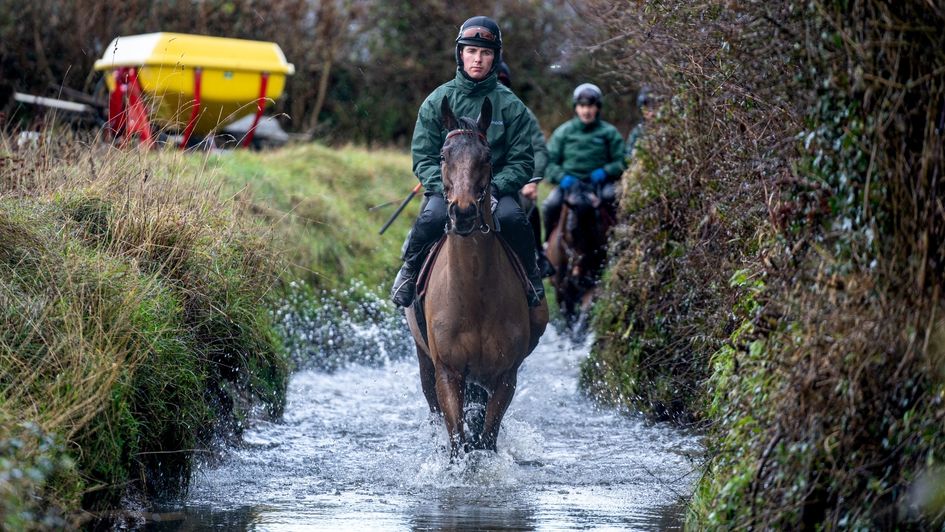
[(449, 394), (428, 380), (498, 403)]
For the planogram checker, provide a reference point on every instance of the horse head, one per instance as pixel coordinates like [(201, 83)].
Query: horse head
[(466, 167)]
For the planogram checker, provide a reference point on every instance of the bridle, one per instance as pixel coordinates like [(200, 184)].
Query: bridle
[(483, 226)]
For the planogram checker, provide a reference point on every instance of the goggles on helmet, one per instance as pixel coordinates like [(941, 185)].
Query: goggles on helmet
[(478, 32)]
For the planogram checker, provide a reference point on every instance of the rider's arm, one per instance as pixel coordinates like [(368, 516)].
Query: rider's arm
[(618, 162), (425, 147), (539, 150), (554, 172), (519, 161)]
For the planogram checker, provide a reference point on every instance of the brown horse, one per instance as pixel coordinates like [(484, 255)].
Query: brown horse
[(577, 248), (478, 325)]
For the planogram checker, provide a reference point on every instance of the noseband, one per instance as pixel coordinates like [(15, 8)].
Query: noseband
[(483, 226)]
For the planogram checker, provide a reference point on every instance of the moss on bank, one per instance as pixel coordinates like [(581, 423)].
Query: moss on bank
[(778, 272)]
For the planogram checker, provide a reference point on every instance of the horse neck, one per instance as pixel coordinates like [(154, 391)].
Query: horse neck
[(473, 258)]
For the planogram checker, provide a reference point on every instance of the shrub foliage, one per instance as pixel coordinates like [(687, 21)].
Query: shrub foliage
[(778, 272)]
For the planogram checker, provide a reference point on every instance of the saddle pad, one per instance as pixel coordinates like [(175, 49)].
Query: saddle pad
[(424, 277), (517, 265)]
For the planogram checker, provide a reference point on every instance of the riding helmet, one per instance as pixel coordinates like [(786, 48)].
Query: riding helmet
[(588, 94), (483, 32)]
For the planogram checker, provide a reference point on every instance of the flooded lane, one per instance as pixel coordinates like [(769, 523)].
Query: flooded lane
[(358, 450)]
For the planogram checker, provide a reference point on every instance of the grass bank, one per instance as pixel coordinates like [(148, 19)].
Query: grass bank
[(137, 322), (318, 201), (778, 272)]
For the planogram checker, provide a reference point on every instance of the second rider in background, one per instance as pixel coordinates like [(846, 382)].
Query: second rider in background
[(586, 150)]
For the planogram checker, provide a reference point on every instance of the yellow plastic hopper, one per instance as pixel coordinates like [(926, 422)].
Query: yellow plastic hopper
[(222, 78)]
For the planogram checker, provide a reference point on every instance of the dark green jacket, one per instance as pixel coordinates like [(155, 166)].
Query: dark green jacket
[(539, 150), (578, 149), (509, 134)]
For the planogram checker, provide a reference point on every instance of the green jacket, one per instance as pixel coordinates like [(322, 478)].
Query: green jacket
[(511, 145), (578, 149), (539, 150)]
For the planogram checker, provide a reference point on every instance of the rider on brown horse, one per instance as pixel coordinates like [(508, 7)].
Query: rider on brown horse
[(585, 150), (478, 55)]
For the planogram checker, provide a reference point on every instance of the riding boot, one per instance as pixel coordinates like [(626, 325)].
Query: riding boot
[(405, 285), (426, 231)]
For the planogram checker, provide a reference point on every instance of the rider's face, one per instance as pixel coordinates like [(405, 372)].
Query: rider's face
[(586, 112), (477, 62)]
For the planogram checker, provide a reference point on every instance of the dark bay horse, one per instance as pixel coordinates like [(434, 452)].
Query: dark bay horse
[(577, 248), (478, 325)]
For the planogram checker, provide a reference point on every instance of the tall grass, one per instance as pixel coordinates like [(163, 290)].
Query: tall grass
[(134, 324)]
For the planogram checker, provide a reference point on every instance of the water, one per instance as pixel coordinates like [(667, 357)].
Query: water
[(358, 450)]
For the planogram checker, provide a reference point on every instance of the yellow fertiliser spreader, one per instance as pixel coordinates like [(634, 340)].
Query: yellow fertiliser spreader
[(189, 83)]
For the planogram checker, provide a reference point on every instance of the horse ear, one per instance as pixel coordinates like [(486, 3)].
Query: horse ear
[(449, 119), (485, 115)]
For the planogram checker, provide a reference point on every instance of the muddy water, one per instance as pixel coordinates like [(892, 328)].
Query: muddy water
[(357, 451)]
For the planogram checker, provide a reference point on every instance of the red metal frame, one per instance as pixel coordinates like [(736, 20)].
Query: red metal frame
[(260, 105), (194, 111), (127, 114)]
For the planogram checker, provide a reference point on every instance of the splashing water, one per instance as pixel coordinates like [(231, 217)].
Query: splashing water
[(358, 449)]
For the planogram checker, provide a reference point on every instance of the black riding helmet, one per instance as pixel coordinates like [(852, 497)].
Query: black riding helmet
[(588, 94), (483, 32)]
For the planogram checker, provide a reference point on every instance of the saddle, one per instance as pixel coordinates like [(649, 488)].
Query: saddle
[(423, 278)]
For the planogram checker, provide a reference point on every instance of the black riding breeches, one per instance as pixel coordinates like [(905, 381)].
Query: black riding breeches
[(431, 224), (534, 217), (428, 228)]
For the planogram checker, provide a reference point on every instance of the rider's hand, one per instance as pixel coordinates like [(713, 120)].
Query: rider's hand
[(598, 176), (530, 191), (567, 182)]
